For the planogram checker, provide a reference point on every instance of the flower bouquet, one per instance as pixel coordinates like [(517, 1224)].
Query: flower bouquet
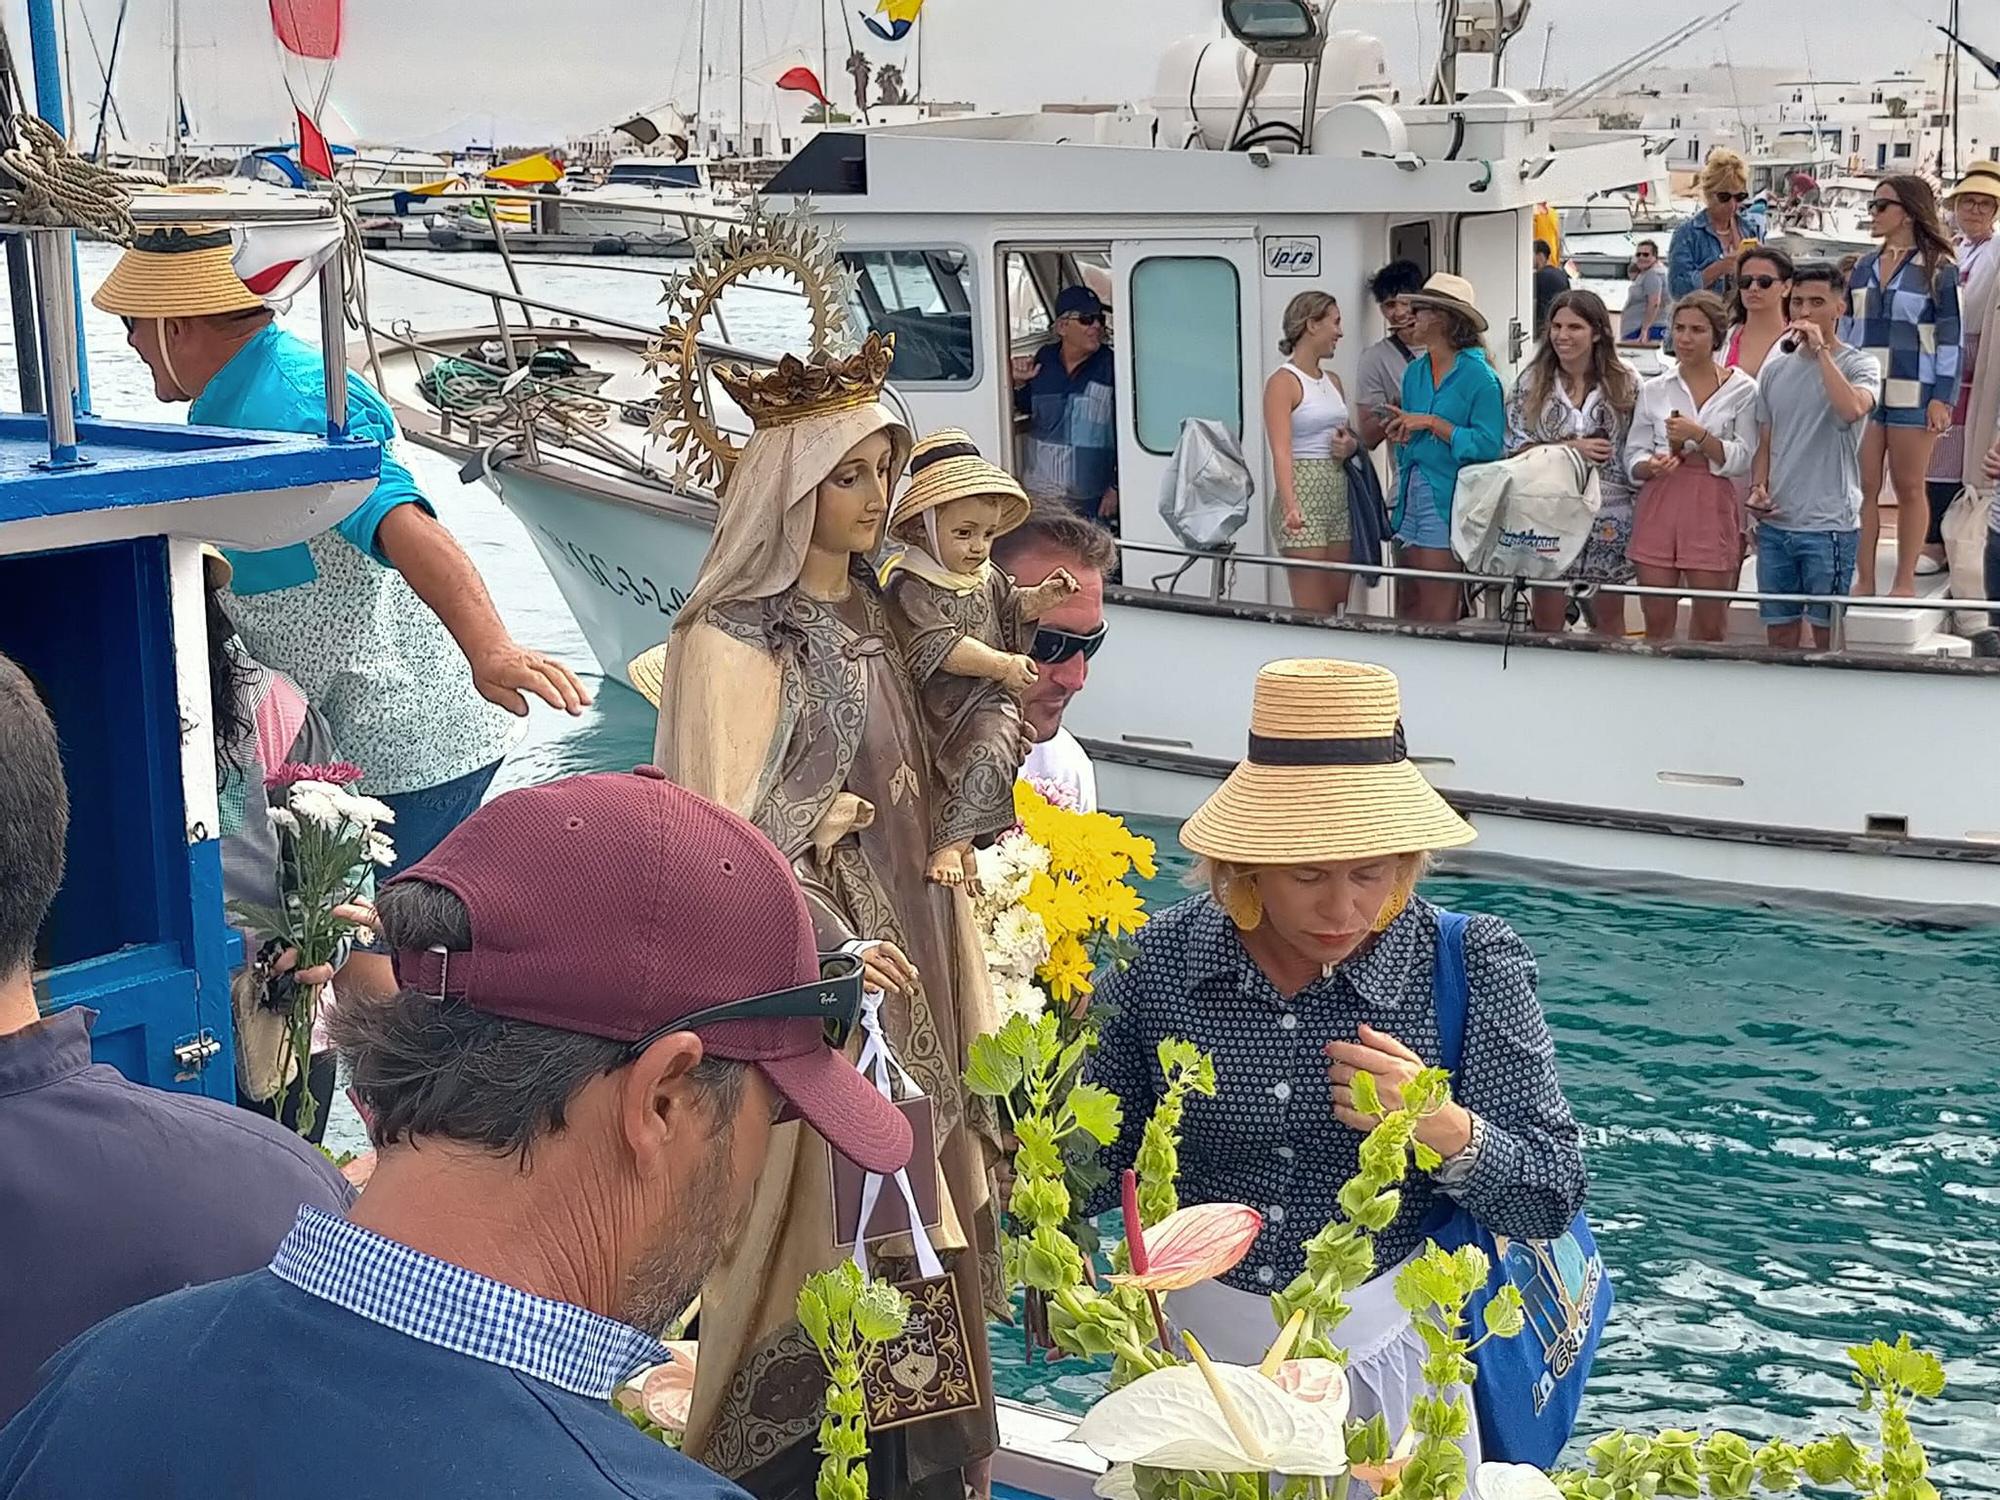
[(1055, 907), (330, 842), (1200, 1430)]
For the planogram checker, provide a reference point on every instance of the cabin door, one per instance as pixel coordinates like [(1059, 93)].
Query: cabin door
[(1188, 320), (1493, 253)]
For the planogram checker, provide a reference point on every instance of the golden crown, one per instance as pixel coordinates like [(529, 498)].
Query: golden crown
[(793, 389)]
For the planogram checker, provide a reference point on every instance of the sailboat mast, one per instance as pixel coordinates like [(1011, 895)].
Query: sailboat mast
[(825, 64), (742, 85), (701, 80), (174, 103)]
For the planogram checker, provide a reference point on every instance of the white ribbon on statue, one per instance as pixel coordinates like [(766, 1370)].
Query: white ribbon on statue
[(878, 1061)]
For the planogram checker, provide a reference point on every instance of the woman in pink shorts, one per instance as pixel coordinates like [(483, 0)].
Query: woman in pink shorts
[(1690, 447)]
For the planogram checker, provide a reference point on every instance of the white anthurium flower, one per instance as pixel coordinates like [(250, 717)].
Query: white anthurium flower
[(1229, 1419), (1497, 1481)]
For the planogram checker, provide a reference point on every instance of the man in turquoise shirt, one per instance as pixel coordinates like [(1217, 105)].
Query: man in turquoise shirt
[(363, 617)]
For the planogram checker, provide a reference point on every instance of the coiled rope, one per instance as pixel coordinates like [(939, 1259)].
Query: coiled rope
[(56, 188)]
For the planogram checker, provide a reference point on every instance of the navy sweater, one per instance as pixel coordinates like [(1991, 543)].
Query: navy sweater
[(253, 1388)]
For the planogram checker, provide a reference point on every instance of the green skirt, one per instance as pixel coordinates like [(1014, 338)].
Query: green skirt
[(1321, 485)]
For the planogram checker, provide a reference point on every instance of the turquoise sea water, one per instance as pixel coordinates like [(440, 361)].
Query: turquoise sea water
[(1791, 1122)]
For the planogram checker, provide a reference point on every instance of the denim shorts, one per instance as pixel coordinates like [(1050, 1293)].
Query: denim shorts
[(1423, 524), (1803, 562)]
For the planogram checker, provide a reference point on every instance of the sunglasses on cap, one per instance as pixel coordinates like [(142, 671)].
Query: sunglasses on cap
[(834, 1000), (1762, 283), (1052, 647)]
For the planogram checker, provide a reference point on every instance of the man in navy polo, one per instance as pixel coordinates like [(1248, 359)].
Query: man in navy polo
[(1065, 391), (610, 996), (110, 1192)]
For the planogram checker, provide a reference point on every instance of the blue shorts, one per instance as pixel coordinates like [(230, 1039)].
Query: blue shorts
[(1423, 525), (1803, 562)]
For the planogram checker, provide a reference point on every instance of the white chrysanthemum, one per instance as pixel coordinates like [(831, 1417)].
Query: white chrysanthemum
[(283, 819), (315, 802), (1022, 937), (1015, 996), (362, 809), (380, 850)]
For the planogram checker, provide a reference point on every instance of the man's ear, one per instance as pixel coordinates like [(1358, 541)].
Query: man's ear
[(657, 1099)]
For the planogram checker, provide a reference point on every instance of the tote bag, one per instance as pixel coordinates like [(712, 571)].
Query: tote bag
[(1529, 1386)]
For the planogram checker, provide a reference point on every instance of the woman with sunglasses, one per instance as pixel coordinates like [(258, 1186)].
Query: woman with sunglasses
[(784, 696), (1702, 254), (1903, 309), (1763, 282)]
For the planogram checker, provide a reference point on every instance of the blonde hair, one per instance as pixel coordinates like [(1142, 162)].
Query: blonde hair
[(1233, 885), (1724, 169), (1301, 313)]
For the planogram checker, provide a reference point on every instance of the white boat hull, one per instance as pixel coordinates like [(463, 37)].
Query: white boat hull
[(624, 569), (1788, 778)]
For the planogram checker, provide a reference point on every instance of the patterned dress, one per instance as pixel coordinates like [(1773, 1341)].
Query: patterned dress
[(1559, 419), (1910, 324)]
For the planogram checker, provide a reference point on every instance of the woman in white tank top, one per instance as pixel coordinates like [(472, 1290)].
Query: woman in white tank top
[(1306, 422)]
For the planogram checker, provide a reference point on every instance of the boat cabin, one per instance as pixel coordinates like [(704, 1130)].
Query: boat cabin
[(961, 233)]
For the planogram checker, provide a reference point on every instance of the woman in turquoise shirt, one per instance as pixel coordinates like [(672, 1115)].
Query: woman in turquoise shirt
[(1453, 414)]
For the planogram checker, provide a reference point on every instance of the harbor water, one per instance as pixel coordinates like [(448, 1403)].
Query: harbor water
[(1790, 1119)]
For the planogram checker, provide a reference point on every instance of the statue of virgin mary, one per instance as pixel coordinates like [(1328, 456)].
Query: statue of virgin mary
[(783, 696)]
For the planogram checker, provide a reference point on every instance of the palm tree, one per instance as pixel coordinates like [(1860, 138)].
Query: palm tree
[(860, 70), (889, 85)]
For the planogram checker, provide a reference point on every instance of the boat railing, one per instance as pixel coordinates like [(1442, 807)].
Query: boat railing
[(1503, 589)]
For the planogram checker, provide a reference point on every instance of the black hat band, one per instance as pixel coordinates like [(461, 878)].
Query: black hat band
[(1387, 750)]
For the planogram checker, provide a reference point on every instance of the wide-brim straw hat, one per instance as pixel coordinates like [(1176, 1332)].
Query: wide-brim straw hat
[(1453, 293), (1980, 177), (216, 571), (648, 672), (181, 271), (947, 466), (1328, 776)]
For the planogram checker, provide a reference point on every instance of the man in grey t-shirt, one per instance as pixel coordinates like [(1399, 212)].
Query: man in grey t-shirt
[(1646, 299), (1813, 401), (1379, 375)]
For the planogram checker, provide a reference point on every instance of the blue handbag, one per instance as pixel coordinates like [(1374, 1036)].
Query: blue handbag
[(1529, 1386)]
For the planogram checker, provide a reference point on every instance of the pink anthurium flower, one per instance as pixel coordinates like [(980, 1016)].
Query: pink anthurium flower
[(1191, 1245)]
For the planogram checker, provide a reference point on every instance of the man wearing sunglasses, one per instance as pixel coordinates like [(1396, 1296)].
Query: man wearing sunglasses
[(610, 1001), (1053, 537), (1704, 248), (1064, 390)]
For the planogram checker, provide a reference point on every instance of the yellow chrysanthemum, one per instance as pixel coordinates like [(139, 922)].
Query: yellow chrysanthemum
[(1120, 910), (1067, 973)]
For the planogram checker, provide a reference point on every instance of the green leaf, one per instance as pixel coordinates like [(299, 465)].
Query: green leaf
[(813, 1316), (1098, 1112), (880, 1312), (1505, 1314), (994, 1071), (1366, 1100)]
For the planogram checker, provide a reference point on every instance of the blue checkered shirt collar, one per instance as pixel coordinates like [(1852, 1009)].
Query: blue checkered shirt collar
[(440, 1303)]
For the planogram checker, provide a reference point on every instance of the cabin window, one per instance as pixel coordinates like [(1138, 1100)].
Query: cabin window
[(1187, 346), (1902, 151), (923, 297)]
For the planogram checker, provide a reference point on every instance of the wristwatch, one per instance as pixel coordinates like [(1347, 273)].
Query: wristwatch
[(1458, 1166)]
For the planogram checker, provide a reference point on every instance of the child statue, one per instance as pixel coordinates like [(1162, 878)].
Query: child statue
[(964, 629)]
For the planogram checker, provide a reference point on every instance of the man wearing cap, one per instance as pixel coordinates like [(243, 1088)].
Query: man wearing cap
[(610, 998), (362, 617), (1064, 390)]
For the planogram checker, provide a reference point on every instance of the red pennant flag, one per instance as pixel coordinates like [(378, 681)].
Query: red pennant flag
[(308, 28), (804, 81), (314, 153)]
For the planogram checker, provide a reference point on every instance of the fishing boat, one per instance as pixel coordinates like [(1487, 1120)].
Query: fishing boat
[(1201, 215)]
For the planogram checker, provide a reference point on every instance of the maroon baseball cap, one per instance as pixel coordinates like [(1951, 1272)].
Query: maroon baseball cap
[(615, 904)]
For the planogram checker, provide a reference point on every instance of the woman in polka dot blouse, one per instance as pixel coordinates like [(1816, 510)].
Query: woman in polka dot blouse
[(1311, 959)]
